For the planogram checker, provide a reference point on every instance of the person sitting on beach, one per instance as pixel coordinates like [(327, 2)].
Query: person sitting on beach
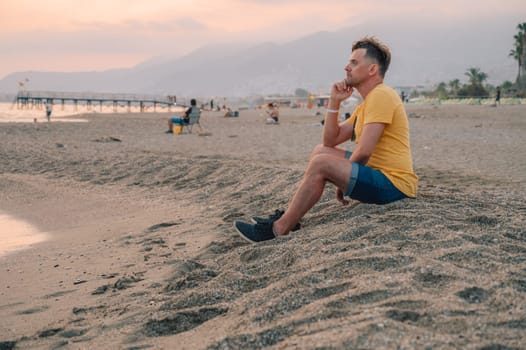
[(273, 114), (184, 120), (378, 171)]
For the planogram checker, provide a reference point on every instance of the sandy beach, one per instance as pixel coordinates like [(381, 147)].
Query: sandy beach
[(141, 254)]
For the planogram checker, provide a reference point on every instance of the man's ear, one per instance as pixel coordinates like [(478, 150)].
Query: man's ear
[(373, 69)]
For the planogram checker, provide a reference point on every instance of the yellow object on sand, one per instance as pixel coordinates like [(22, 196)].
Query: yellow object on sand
[(177, 129)]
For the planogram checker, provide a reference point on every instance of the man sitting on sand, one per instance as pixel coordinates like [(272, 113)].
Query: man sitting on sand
[(184, 120), (379, 170)]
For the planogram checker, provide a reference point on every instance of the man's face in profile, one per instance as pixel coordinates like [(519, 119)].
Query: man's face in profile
[(358, 68)]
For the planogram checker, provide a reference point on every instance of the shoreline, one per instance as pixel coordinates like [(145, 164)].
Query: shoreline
[(37, 115), (17, 235)]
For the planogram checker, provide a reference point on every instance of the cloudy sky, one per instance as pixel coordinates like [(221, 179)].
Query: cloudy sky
[(80, 35)]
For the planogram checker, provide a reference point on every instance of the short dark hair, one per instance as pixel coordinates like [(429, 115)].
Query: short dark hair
[(375, 50), (193, 102)]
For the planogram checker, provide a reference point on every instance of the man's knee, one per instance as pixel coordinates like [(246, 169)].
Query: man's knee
[(317, 164), (317, 150)]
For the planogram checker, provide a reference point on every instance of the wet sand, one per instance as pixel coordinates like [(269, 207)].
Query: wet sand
[(142, 253)]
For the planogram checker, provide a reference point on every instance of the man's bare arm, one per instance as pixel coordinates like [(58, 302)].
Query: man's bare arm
[(334, 133), (370, 136)]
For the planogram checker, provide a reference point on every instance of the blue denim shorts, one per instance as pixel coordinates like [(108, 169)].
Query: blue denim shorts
[(178, 121), (369, 185)]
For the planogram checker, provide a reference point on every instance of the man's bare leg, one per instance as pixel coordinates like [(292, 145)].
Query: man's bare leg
[(333, 151), (326, 165)]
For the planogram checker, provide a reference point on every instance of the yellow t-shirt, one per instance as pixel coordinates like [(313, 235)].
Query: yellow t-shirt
[(392, 153)]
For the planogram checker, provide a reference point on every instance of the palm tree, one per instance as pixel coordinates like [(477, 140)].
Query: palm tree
[(454, 85), (507, 85), (476, 76), (440, 91), (516, 54), (519, 54), (475, 87)]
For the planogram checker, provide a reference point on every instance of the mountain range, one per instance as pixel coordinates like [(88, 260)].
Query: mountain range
[(423, 54)]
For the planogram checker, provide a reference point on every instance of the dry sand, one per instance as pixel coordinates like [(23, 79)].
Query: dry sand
[(143, 254)]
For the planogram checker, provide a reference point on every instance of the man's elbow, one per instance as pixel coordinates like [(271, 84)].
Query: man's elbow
[(361, 157), (328, 143)]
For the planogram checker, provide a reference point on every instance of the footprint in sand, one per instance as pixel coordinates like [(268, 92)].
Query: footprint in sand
[(181, 322), (162, 225), (474, 295)]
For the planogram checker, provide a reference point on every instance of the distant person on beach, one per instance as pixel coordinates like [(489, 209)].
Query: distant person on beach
[(49, 109), (497, 96), (402, 96), (228, 113), (273, 114), (184, 120), (378, 171)]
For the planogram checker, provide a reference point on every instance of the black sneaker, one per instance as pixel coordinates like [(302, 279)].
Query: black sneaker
[(271, 218), (255, 233)]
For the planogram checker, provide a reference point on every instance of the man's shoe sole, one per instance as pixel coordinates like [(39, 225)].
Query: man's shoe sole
[(242, 235)]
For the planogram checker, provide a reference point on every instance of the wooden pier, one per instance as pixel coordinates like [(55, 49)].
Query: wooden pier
[(37, 99)]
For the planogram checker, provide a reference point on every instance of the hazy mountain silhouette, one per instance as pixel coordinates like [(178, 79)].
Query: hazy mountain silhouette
[(423, 54)]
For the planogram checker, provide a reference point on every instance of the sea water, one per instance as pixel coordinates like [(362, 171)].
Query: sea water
[(9, 113), (16, 234)]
